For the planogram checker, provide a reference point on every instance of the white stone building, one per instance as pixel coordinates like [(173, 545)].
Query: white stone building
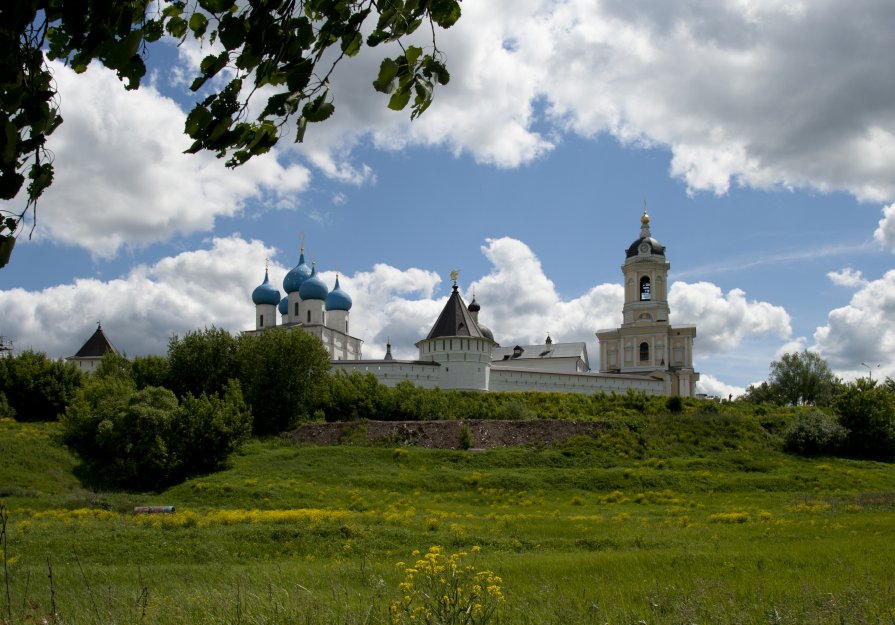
[(644, 354)]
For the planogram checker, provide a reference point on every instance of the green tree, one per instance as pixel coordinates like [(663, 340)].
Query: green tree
[(797, 379), (150, 370), (37, 387), (201, 362), (114, 365), (285, 49), (208, 429), (144, 439), (867, 411), (283, 376), (351, 396)]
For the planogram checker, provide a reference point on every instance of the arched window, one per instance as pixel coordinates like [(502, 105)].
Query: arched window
[(296, 311), (644, 351), (309, 316), (262, 321), (645, 288)]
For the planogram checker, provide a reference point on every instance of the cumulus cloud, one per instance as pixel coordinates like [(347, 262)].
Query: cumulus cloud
[(768, 94), (847, 277), (885, 232), (862, 331), (712, 386), (141, 310), (723, 321), (122, 178)]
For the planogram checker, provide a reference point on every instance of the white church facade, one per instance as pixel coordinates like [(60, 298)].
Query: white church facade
[(645, 353)]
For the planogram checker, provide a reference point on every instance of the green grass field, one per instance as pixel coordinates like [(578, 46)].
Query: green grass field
[(660, 520)]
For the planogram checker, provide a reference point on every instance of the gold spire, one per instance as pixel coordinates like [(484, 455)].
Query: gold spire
[(454, 274)]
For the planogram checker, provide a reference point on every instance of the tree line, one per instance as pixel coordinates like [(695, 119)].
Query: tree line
[(154, 420)]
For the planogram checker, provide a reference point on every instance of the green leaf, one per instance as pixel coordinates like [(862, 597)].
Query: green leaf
[(232, 31), (351, 43), (216, 6), (301, 126), (298, 75), (198, 24), (384, 83), (319, 109), (399, 99), (197, 121), (445, 13), (412, 55), (176, 26)]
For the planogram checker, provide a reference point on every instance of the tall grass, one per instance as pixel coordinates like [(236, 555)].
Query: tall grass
[(676, 520)]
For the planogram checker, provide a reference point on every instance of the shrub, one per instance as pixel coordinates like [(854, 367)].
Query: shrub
[(143, 439), (674, 404), (37, 387), (814, 434), (867, 411), (465, 437), (208, 429), (6, 411)]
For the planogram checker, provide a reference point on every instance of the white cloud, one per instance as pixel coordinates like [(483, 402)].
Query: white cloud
[(121, 176), (723, 321), (769, 95), (712, 386), (885, 232), (862, 331), (141, 310), (847, 277), (798, 344)]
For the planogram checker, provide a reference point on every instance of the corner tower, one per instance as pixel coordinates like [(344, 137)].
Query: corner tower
[(459, 345), (646, 344)]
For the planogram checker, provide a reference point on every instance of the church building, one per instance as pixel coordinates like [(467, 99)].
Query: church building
[(645, 353), (310, 306)]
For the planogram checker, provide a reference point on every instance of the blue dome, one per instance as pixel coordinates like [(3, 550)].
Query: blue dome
[(313, 287), (338, 299), (294, 279), (284, 306), (265, 293)]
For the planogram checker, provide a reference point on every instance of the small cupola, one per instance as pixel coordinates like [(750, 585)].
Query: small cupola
[(313, 287), (338, 299), (265, 293)]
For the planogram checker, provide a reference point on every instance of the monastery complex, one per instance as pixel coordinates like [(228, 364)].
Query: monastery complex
[(645, 353)]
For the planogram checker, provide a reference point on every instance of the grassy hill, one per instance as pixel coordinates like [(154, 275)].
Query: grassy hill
[(689, 519)]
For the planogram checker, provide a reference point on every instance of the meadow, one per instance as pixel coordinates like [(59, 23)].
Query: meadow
[(696, 518)]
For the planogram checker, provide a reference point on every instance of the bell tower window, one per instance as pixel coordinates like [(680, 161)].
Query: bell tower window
[(644, 351), (645, 289)]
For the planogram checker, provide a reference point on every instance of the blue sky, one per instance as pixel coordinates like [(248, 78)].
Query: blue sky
[(761, 136)]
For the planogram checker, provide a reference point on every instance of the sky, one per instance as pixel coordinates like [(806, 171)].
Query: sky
[(759, 136)]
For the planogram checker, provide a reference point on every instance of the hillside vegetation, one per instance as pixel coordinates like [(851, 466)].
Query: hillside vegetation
[(690, 518)]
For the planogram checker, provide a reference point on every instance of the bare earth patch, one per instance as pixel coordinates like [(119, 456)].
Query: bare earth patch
[(484, 433)]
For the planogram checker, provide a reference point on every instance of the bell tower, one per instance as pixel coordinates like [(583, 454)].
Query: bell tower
[(646, 344), (646, 281)]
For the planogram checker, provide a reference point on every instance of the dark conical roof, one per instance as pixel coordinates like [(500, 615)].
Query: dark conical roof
[(96, 345), (455, 320)]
